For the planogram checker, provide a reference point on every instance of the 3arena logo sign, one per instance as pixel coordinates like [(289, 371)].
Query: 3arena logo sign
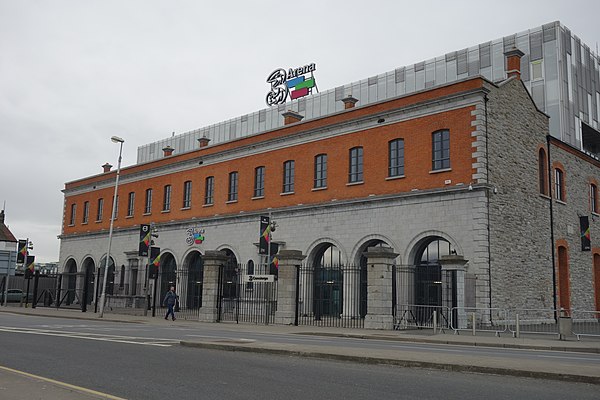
[(194, 236), (294, 83)]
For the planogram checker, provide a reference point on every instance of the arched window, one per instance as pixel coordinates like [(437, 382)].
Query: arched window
[(543, 172), (428, 271), (593, 198), (559, 185)]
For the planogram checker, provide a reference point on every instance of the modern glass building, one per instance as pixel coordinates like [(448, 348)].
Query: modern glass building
[(560, 72)]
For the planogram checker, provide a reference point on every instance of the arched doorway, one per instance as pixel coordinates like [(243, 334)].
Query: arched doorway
[(328, 281), (362, 263), (110, 279), (89, 280), (167, 275), (195, 273), (428, 271), (69, 282), (230, 275)]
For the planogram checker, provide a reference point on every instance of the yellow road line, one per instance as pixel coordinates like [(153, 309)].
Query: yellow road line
[(62, 384)]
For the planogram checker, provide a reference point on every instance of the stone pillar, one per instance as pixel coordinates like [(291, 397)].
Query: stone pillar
[(213, 260), (379, 287), (351, 290), (289, 260), (454, 265)]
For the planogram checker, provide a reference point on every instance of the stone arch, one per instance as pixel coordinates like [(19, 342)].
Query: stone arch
[(167, 273), (69, 282), (415, 244), (192, 274), (88, 269), (362, 245), (318, 245)]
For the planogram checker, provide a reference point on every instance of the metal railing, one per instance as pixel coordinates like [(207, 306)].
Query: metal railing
[(585, 323), (533, 321), (479, 320), (414, 316)]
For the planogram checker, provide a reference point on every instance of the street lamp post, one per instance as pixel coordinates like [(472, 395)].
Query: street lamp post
[(115, 139)]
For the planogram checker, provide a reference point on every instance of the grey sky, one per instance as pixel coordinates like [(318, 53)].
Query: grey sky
[(74, 73)]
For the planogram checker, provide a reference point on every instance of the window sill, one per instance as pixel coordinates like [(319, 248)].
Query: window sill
[(258, 197), (231, 201), (83, 223), (355, 183), (71, 225), (564, 203), (129, 216), (147, 213), (595, 214), (392, 178), (185, 208), (286, 193), (544, 196), (98, 221), (208, 205), (319, 188), (437, 171)]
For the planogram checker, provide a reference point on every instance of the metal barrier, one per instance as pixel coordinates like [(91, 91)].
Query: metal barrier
[(586, 323), (479, 320), (533, 321), (414, 316)]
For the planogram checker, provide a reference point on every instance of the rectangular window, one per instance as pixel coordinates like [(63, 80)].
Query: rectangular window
[(100, 209), (320, 171), (288, 176), (259, 182), (116, 204), (148, 203), (209, 190), (559, 185), (594, 198), (187, 194), (86, 212), (441, 150), (356, 165), (167, 198), (130, 204), (73, 212), (396, 158), (233, 187)]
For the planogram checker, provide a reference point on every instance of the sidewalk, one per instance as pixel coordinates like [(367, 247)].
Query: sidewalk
[(556, 369)]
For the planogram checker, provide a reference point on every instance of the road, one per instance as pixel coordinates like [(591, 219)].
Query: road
[(138, 361)]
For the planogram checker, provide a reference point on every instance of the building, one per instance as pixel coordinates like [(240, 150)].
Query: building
[(482, 207), (8, 255)]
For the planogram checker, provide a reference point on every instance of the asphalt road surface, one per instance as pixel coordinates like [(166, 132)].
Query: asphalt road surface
[(137, 361)]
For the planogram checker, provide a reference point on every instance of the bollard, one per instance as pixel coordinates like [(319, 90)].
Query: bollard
[(434, 322), (473, 322)]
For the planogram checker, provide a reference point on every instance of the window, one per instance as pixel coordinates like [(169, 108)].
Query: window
[(441, 150), (259, 182), (187, 194), (116, 204), (148, 204), (122, 277), (209, 190), (396, 158), (320, 171), (542, 170), (167, 198), (356, 165), (537, 70), (130, 204), (73, 212), (559, 185), (100, 209), (86, 212), (288, 176), (233, 187), (593, 198)]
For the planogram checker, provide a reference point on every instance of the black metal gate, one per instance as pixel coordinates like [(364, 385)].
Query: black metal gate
[(188, 286), (248, 302)]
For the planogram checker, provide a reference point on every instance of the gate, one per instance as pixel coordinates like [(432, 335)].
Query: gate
[(333, 296), (247, 302), (188, 286)]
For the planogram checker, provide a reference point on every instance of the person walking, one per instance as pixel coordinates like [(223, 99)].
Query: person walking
[(170, 300)]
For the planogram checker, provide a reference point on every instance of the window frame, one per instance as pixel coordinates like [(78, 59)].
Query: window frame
[(187, 194), (86, 212), (355, 165), (442, 137), (395, 167), (232, 192), (259, 181), (167, 190), (543, 172), (289, 168), (73, 214), (130, 204), (559, 185), (320, 171), (148, 201), (209, 190), (100, 210), (594, 198)]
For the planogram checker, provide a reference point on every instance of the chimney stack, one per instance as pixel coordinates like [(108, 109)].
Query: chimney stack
[(349, 102), (107, 167), (513, 62), (2, 218), (291, 117), (168, 151), (203, 141)]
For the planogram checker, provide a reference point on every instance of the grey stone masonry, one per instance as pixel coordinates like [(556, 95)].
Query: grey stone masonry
[(289, 261), (209, 312), (380, 261), (454, 265)]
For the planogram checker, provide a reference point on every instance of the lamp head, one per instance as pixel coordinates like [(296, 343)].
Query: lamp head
[(117, 139)]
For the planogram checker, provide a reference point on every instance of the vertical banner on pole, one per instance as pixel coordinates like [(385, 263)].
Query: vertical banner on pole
[(145, 238), (22, 252), (30, 267), (584, 225), (154, 262), (265, 235)]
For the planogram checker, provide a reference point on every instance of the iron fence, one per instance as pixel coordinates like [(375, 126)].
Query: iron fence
[(533, 321), (586, 323), (414, 316), (479, 320)]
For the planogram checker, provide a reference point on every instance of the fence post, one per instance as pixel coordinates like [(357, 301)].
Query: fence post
[(379, 287), (209, 312), (434, 322), (36, 281), (473, 322), (518, 325), (287, 287)]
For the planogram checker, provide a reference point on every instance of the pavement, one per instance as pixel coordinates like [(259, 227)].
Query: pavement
[(555, 370)]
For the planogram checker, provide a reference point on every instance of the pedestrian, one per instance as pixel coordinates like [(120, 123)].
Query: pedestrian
[(170, 300)]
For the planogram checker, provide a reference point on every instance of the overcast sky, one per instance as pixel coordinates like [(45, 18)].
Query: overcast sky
[(74, 73)]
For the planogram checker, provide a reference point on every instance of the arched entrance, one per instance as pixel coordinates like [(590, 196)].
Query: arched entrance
[(167, 275), (110, 279), (328, 280), (428, 271), (230, 275), (194, 268), (69, 283), (89, 280), (362, 263)]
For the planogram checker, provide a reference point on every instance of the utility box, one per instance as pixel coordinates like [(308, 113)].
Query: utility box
[(565, 327)]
